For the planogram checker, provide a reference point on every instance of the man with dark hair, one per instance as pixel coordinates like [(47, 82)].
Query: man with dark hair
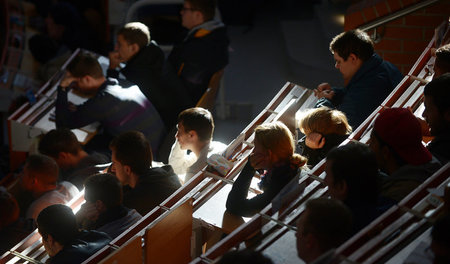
[(74, 163), (324, 225), (116, 108), (147, 186), (40, 177), (62, 240), (437, 116), (144, 61), (368, 79), (203, 50), (104, 210), (396, 140), (352, 177), (442, 62), (195, 131)]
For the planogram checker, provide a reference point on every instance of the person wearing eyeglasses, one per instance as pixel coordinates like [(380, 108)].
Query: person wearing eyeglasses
[(202, 51)]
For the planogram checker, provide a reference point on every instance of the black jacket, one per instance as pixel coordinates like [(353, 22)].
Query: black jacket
[(145, 70), (198, 57), (152, 188), (84, 246), (316, 155), (271, 184)]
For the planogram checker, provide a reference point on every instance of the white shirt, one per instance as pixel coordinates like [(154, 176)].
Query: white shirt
[(63, 193), (189, 164)]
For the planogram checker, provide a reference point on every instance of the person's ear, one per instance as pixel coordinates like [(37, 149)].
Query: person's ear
[(100, 206), (352, 58), (127, 169), (134, 48), (199, 16), (341, 188), (50, 240), (193, 135)]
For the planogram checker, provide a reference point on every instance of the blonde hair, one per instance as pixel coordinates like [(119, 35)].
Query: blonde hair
[(325, 121), (277, 138)]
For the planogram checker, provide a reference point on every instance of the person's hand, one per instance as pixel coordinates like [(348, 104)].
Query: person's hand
[(114, 59), (67, 80), (315, 140), (258, 160), (424, 128), (324, 90), (88, 213)]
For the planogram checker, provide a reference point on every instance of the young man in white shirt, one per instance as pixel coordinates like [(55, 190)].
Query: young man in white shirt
[(195, 130)]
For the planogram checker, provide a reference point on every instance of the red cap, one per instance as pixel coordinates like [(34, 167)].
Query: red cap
[(401, 131)]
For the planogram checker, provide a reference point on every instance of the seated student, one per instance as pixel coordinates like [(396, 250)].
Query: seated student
[(437, 116), (118, 109), (12, 227), (352, 177), (324, 128), (368, 79), (132, 164), (442, 62), (202, 51), (104, 210), (62, 240), (273, 154), (195, 131), (324, 225), (40, 177), (244, 257), (396, 140), (144, 61), (440, 240), (74, 163)]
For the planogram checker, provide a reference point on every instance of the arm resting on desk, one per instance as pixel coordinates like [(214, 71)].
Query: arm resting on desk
[(84, 114), (237, 202)]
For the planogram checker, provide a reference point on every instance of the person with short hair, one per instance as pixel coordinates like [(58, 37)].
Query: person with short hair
[(202, 52), (442, 62), (195, 132), (144, 61), (118, 108), (352, 177), (40, 177), (368, 78), (74, 163), (273, 155), (147, 186), (405, 162), (103, 210), (324, 128), (62, 240), (324, 225), (437, 116)]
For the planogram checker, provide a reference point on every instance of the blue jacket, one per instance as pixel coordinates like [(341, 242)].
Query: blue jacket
[(367, 89)]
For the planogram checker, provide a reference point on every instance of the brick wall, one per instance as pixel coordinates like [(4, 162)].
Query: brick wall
[(403, 39)]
